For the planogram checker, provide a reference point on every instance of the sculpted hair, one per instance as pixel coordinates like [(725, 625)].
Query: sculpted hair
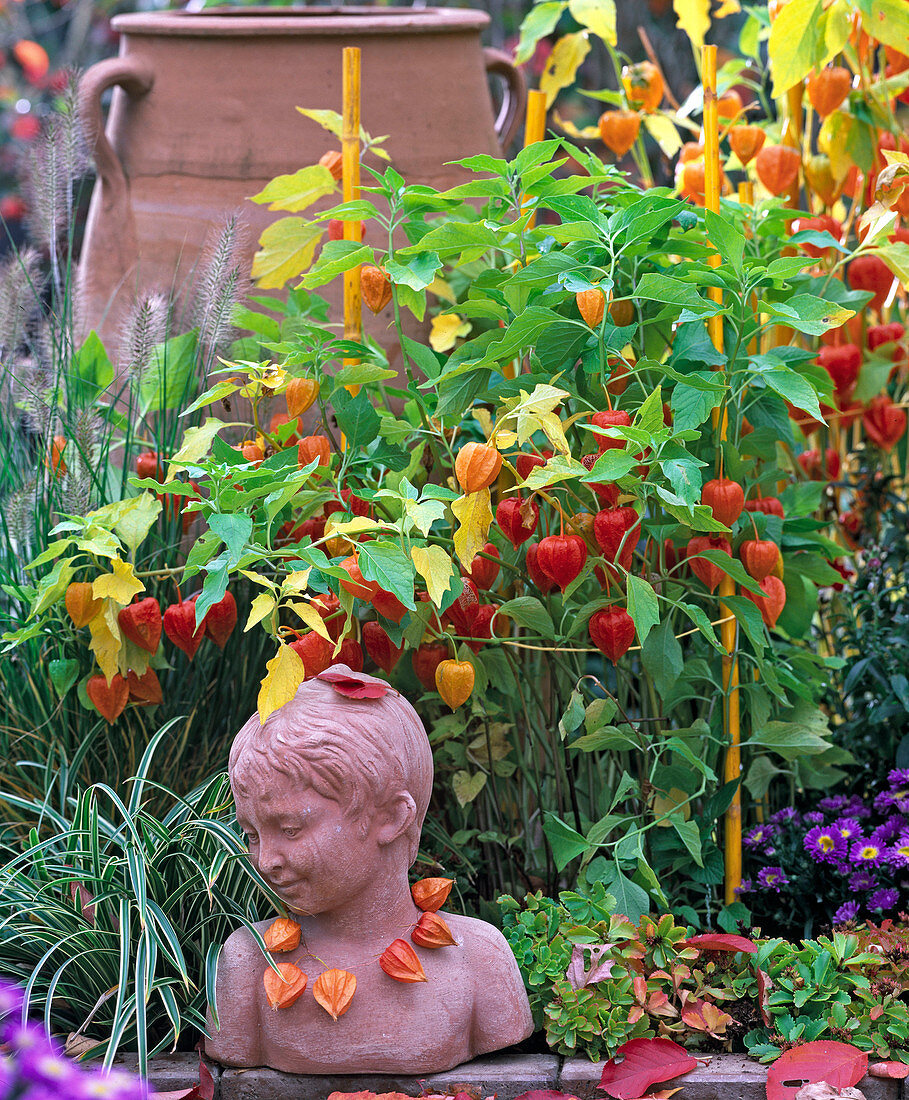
[(357, 752)]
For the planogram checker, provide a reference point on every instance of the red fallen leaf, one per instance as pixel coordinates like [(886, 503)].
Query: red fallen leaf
[(764, 985), (204, 1090), (896, 1070), (354, 685), (644, 1063), (720, 941), (546, 1094), (839, 1064)]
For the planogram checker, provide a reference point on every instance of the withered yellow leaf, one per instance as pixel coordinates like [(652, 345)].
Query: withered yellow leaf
[(279, 684), (693, 17), (121, 584), (436, 568), (264, 604), (106, 639), (445, 330), (473, 512), (311, 618), (286, 250), (297, 191), (563, 64)]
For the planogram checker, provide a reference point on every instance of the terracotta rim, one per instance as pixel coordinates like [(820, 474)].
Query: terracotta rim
[(234, 22)]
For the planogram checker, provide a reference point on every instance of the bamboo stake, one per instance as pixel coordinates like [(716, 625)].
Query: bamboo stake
[(350, 154), (732, 834)]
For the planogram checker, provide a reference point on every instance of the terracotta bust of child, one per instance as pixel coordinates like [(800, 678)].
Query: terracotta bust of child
[(331, 792)]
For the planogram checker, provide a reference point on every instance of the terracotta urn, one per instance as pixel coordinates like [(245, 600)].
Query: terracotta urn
[(203, 115)]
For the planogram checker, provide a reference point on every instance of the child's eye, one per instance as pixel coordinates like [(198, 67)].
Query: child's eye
[(252, 838), (290, 832)]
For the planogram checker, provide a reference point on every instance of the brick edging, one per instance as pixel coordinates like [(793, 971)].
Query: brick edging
[(727, 1077)]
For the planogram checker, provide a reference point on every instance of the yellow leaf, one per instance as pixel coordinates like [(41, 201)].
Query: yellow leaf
[(441, 289), (728, 7), (446, 328), (484, 418), (693, 17), (466, 787), (355, 526), (664, 133), (287, 248), (474, 514), (279, 684), (328, 120), (597, 16), (297, 191), (563, 63), (672, 800), (569, 127), (137, 522), (196, 445), (311, 618), (555, 433), (423, 514), (296, 582), (262, 606), (106, 638), (120, 585), (257, 578), (436, 568)]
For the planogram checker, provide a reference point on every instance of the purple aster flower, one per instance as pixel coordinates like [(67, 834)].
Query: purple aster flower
[(745, 886), (833, 805), (787, 813), (862, 880), (883, 899), (825, 844), (898, 855), (814, 818), (11, 1000), (50, 1071), (847, 911), (867, 853), (897, 778), (772, 878), (887, 830), (759, 836), (850, 827)]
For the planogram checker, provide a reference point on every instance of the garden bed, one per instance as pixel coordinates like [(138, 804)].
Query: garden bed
[(726, 1077)]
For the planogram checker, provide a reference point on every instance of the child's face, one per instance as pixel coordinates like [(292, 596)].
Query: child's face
[(314, 856)]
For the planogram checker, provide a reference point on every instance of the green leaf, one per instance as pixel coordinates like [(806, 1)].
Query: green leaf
[(170, 376), (417, 273), (807, 312), (233, 530), (732, 566), (691, 836), (356, 417), (643, 606), (566, 843), (790, 740), (726, 239), (63, 674), (92, 366), (598, 16), (684, 475), (888, 23), (362, 374), (662, 657), (691, 407), (669, 290), (335, 258), (297, 191), (793, 44), (527, 611), (538, 23), (631, 899), (386, 563)]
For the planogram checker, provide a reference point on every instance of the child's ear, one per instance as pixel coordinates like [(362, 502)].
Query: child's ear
[(396, 817)]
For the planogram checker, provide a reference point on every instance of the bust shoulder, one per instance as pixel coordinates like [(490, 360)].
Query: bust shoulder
[(501, 1011), (235, 1041)]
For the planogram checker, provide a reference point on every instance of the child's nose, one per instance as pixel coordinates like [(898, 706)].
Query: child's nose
[(270, 858)]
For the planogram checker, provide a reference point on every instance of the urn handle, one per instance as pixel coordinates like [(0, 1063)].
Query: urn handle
[(136, 78), (511, 113)]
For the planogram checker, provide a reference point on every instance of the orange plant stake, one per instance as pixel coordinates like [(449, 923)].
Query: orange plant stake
[(732, 834)]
